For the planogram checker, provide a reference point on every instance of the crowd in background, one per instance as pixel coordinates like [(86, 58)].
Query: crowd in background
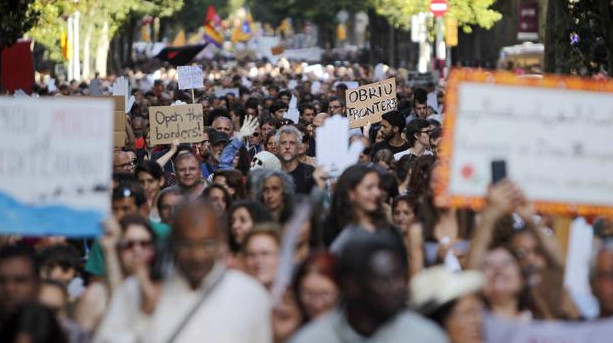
[(193, 248)]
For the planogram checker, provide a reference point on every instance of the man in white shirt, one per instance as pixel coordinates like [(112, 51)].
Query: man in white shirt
[(199, 301)]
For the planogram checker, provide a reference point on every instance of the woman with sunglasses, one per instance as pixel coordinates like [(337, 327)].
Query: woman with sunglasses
[(418, 135), (129, 252)]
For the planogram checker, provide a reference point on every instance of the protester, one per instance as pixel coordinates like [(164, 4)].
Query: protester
[(261, 248), (275, 189), (236, 307), (189, 174), (218, 196), (151, 176), (54, 296), (418, 133), (314, 285), (451, 300), (32, 323), (602, 279), (289, 141), (168, 200), (232, 180), (19, 280), (392, 125), (356, 207), (244, 215), (373, 309)]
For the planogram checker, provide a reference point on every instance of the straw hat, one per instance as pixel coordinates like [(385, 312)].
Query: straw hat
[(436, 286)]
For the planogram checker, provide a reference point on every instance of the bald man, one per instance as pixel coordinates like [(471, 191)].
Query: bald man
[(199, 298)]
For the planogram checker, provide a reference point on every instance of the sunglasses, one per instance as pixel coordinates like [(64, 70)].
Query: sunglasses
[(131, 244)]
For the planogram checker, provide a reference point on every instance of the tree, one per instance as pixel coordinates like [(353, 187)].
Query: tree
[(579, 38), (16, 18), (467, 12)]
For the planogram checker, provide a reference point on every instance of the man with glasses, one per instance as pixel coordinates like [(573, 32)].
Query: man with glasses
[(335, 106), (200, 297), (418, 134), (123, 162)]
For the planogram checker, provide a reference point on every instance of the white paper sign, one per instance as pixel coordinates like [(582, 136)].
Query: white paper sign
[(349, 84), (190, 77), (576, 273), (332, 145), (122, 87), (55, 165), (293, 113), (220, 92), (557, 143), (504, 331)]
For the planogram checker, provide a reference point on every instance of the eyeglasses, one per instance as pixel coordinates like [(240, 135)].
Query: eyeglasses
[(127, 164), (255, 134), (131, 244), (428, 132)]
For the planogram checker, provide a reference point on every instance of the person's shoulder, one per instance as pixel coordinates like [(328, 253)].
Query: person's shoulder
[(249, 287), (307, 167), (319, 330), (420, 328)]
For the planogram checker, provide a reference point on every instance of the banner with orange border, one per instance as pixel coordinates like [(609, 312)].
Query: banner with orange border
[(555, 134)]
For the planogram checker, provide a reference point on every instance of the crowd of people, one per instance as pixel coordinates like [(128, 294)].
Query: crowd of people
[(195, 244)]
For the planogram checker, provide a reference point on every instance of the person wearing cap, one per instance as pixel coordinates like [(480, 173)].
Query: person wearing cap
[(451, 300), (392, 124), (372, 277), (218, 141)]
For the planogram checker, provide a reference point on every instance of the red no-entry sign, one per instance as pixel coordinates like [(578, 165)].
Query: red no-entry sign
[(439, 7)]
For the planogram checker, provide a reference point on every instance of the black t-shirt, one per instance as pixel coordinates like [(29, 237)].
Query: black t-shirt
[(303, 178), (386, 145)]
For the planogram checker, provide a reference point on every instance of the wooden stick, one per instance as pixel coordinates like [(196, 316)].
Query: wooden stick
[(193, 98)]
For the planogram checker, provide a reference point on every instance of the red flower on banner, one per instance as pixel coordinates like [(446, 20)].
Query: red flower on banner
[(467, 171)]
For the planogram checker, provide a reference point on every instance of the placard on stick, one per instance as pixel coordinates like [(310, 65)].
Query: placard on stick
[(369, 102), (183, 122), (554, 134), (55, 165), (190, 77)]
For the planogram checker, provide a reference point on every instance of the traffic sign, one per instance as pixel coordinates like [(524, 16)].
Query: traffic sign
[(439, 7)]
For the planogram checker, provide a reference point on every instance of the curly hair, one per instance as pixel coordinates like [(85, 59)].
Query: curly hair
[(257, 188)]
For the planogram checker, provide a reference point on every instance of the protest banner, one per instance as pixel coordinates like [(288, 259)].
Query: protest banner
[(369, 102), (55, 165), (507, 331), (554, 134), (183, 122), (190, 77)]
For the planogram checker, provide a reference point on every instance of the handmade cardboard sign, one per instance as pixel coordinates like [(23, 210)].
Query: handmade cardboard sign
[(553, 132), (369, 102), (55, 165), (184, 122), (190, 77)]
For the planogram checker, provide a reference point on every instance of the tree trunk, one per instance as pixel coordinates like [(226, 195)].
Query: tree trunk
[(605, 8), (102, 50), (86, 52), (557, 41)]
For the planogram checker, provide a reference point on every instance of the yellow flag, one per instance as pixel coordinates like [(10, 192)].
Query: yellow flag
[(65, 45), (179, 38), (341, 32), (145, 34), (451, 31)]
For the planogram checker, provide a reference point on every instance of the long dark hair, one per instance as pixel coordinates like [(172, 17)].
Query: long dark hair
[(258, 212), (342, 211)]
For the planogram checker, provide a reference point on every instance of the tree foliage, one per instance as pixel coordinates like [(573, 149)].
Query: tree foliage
[(16, 18), (94, 13), (467, 12)]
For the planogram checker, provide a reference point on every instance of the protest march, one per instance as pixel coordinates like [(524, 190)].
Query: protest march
[(244, 186)]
